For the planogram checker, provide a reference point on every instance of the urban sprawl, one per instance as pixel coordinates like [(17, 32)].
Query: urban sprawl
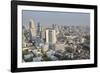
[(55, 42)]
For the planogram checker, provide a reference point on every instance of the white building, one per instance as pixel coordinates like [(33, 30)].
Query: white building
[(32, 28), (50, 36)]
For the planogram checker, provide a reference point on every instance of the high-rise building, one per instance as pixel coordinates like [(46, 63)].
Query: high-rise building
[(42, 32), (50, 36), (39, 30), (47, 36), (32, 29)]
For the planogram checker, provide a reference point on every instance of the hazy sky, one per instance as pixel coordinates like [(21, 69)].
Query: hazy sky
[(61, 18)]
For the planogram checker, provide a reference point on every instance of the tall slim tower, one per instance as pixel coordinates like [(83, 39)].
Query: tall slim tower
[(32, 29), (39, 30), (47, 36)]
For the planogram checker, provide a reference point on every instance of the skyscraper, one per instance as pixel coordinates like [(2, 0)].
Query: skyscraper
[(32, 29), (50, 36), (39, 30)]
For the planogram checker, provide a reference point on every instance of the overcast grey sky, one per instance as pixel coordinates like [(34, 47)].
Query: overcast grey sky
[(61, 18)]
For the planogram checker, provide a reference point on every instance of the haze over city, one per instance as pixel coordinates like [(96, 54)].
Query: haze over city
[(61, 18)]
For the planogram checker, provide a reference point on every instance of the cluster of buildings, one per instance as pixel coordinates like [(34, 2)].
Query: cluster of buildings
[(56, 42)]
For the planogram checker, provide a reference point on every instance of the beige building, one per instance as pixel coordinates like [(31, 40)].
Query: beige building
[(50, 36)]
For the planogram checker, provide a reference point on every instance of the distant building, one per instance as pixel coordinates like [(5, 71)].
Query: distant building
[(43, 33), (39, 30), (32, 29), (51, 36), (55, 27)]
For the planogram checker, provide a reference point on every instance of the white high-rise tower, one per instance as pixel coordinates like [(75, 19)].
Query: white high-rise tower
[(32, 28), (50, 36)]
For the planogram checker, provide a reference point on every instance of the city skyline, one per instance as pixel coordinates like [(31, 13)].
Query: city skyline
[(61, 18), (46, 39)]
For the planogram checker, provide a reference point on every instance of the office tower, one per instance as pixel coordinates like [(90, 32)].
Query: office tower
[(53, 26), (50, 36), (47, 36), (32, 29), (42, 32), (39, 30)]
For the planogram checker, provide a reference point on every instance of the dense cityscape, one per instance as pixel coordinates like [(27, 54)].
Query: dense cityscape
[(55, 42)]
